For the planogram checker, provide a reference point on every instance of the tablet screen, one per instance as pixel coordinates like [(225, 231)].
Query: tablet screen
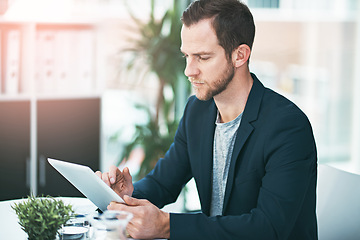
[(86, 181)]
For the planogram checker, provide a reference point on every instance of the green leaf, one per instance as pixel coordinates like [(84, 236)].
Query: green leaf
[(41, 217)]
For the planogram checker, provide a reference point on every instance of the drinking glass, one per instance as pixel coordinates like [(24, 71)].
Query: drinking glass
[(76, 228), (109, 225)]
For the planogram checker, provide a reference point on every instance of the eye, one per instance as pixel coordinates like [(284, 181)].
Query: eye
[(203, 58)]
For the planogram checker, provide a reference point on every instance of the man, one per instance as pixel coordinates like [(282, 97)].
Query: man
[(251, 151)]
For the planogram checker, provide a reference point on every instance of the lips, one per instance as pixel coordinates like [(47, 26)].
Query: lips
[(195, 82), (197, 85)]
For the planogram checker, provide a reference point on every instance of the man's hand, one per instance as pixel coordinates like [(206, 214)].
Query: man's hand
[(120, 182), (148, 221)]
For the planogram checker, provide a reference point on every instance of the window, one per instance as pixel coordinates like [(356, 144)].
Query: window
[(263, 3)]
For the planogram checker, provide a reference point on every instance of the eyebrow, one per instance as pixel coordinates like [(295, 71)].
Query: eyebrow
[(199, 53)]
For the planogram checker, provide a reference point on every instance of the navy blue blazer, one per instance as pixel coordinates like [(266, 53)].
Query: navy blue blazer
[(271, 187)]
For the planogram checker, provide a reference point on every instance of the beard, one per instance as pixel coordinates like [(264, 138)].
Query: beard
[(215, 88)]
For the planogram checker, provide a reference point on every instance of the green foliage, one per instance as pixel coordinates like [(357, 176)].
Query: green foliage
[(41, 218), (159, 44), (154, 142), (159, 47)]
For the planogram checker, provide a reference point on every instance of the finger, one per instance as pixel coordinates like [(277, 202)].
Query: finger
[(116, 206), (127, 174), (105, 178), (131, 201), (112, 173), (128, 230), (132, 230), (99, 174)]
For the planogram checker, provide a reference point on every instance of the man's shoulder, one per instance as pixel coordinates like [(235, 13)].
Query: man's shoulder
[(266, 103), (280, 102), (278, 109)]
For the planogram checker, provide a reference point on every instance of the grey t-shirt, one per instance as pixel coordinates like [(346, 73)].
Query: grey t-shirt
[(224, 139)]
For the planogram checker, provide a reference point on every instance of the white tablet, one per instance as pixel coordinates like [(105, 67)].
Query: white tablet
[(86, 181)]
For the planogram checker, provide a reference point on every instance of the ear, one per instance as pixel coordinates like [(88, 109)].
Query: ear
[(240, 55)]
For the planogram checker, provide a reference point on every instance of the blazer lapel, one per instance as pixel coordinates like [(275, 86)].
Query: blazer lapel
[(206, 161), (250, 114)]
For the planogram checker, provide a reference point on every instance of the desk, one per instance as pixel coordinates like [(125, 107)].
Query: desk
[(10, 228)]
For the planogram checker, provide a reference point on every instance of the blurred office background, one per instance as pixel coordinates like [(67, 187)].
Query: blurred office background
[(69, 90)]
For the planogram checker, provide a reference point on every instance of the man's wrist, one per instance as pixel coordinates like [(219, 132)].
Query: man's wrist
[(165, 233)]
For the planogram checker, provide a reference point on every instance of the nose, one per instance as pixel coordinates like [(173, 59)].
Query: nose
[(191, 69)]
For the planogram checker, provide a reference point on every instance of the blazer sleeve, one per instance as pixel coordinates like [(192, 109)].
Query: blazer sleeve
[(289, 154)]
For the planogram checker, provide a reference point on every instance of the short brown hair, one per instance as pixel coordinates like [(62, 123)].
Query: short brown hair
[(232, 21)]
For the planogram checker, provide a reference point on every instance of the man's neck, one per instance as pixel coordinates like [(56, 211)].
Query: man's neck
[(232, 101)]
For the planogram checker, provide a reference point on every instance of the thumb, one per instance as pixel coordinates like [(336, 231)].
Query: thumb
[(131, 201)]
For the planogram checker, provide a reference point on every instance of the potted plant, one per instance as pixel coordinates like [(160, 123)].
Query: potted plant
[(41, 218), (159, 47)]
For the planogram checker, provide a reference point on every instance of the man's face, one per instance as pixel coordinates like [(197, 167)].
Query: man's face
[(207, 67)]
